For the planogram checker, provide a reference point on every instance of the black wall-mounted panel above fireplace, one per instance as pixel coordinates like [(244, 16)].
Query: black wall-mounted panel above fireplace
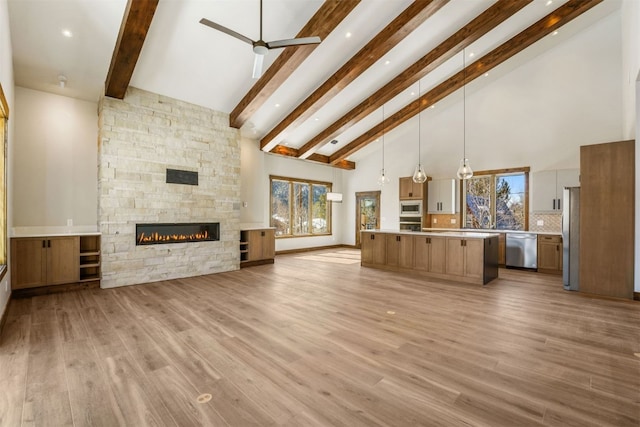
[(176, 176), (157, 234)]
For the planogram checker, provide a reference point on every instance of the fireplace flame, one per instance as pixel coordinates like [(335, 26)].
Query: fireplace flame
[(157, 237)]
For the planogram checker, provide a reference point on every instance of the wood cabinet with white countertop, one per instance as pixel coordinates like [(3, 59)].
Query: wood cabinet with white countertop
[(257, 246), (550, 254), (42, 261), (399, 250), (461, 256), (429, 254)]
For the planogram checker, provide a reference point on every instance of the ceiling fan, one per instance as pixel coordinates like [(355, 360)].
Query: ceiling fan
[(260, 47)]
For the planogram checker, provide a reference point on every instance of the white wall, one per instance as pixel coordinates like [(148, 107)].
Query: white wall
[(630, 63), (536, 115), (631, 100), (6, 79), (55, 159), (255, 169)]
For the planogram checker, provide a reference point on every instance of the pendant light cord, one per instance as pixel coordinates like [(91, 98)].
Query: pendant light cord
[(464, 107), (419, 123), (383, 139)]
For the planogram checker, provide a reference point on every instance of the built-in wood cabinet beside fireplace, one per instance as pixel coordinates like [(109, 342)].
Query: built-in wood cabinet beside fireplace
[(42, 261), (257, 246)]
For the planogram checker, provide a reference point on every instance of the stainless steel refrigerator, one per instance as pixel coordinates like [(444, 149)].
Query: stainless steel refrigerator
[(571, 238)]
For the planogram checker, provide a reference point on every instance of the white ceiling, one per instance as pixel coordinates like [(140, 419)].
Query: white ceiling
[(188, 61)]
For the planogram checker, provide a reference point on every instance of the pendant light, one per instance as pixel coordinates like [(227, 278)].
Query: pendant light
[(419, 176), (464, 170), (382, 179)]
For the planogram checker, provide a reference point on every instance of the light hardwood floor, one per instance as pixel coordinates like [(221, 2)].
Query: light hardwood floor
[(315, 339)]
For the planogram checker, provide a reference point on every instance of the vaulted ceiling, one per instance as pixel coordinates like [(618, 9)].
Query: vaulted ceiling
[(380, 62)]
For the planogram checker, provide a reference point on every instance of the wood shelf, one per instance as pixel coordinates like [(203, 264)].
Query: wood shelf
[(97, 264), (54, 262)]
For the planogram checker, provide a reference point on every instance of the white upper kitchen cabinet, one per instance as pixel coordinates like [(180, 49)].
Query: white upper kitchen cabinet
[(547, 186), (442, 196)]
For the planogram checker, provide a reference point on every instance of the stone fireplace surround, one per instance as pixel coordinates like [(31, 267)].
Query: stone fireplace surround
[(140, 137)]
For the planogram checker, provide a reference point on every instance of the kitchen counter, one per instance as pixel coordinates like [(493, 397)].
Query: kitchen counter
[(490, 231), (446, 232), (462, 256)]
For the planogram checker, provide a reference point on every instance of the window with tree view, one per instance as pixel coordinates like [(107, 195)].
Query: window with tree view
[(299, 207), (497, 199)]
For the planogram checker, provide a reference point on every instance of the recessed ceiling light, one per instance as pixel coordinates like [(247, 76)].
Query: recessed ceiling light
[(549, 2), (316, 119), (555, 33), (433, 106), (413, 93), (277, 105), (486, 74), (471, 55), (387, 62), (67, 33), (348, 34)]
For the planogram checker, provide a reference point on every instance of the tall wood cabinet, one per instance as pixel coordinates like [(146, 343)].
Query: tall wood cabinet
[(54, 260), (410, 190), (607, 210)]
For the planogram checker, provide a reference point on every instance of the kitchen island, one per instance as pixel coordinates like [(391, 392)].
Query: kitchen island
[(462, 256)]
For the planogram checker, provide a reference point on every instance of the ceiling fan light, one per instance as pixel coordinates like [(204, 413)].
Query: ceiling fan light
[(260, 48)]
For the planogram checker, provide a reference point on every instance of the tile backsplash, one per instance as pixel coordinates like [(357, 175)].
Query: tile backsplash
[(552, 223), (445, 221)]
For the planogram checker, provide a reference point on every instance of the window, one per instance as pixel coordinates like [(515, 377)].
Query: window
[(497, 199), (4, 115), (299, 207)]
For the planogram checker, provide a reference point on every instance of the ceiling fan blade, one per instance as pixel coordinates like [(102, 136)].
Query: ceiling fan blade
[(205, 21), (257, 66), (293, 42)]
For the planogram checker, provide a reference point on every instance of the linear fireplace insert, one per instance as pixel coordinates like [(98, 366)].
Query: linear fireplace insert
[(155, 234)]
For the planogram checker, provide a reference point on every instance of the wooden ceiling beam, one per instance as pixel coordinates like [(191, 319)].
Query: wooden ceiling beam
[(330, 14), (317, 158), (542, 28), (468, 34), (410, 19), (135, 24)]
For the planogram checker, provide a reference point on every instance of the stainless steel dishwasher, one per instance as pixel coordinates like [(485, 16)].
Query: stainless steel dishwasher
[(522, 250)]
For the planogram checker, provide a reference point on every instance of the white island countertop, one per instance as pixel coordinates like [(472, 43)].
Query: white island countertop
[(447, 233), (492, 231)]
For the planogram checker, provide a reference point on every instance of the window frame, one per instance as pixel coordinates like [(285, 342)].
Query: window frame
[(4, 138), (494, 174), (310, 183)]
